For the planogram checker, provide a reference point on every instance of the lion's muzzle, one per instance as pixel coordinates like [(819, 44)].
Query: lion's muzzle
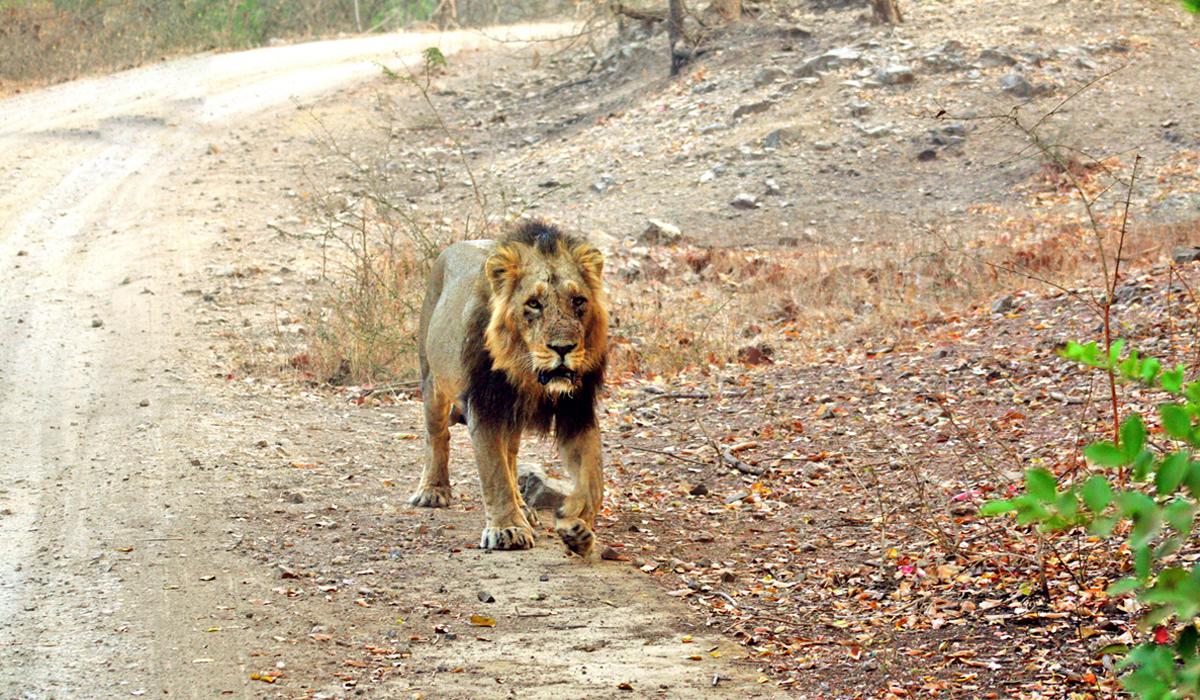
[(546, 376)]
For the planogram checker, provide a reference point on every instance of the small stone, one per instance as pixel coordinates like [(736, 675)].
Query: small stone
[(1015, 84), (485, 597), (714, 127), (610, 554), (1186, 254), (739, 496), (1004, 304), (745, 200), (779, 137), (769, 75), (660, 233), (757, 354), (97, 323), (752, 108), (927, 155), (539, 490), (772, 187), (295, 498), (544, 578), (699, 490), (895, 74), (992, 57), (144, 403)]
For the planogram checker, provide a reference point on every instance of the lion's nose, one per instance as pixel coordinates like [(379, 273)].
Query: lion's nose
[(562, 350)]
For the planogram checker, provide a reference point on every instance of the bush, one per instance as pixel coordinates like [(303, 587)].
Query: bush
[(1154, 495)]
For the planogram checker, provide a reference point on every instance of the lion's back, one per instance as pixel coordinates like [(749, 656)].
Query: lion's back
[(450, 299)]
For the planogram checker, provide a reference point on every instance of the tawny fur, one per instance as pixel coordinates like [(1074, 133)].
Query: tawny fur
[(514, 337)]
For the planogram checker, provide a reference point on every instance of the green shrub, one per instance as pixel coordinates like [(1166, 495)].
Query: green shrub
[(1156, 490)]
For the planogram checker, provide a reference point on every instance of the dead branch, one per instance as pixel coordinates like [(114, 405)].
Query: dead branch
[(640, 15)]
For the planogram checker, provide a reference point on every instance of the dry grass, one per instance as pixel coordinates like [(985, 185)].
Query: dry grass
[(692, 306)]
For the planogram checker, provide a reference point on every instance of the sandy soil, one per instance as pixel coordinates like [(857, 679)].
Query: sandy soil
[(165, 530)]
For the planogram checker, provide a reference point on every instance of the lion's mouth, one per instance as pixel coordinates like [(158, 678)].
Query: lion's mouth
[(546, 376)]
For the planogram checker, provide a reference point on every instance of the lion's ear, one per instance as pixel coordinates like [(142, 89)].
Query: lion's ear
[(503, 268), (591, 262)]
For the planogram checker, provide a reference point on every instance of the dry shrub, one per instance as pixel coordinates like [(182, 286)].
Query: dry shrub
[(682, 307)]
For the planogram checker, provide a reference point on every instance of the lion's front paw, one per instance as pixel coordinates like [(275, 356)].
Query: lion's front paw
[(576, 534), (506, 538), (431, 497)]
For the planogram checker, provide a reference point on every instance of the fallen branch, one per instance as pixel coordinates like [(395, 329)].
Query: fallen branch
[(640, 15), (726, 457)]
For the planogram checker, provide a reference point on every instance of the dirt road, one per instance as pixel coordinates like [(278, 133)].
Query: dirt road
[(166, 532)]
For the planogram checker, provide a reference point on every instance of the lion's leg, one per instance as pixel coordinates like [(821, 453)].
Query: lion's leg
[(434, 489), (514, 446), (576, 518), (507, 527)]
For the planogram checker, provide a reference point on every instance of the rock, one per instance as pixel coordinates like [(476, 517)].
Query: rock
[(97, 323), (660, 233), (610, 554), (745, 200), (144, 403), (740, 496), (601, 185), (927, 155), (539, 490), (830, 60), (485, 597), (779, 137), (769, 75), (757, 354), (895, 74), (992, 58), (752, 108), (699, 490), (1004, 304), (772, 187), (1186, 254), (1015, 84), (857, 108)]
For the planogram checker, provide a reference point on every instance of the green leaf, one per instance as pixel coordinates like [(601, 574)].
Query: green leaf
[(1145, 527), (1104, 454), (1114, 351), (996, 508), (1103, 526), (1041, 484), (1172, 381), (1143, 559), (1142, 464), (433, 57), (1123, 586), (1175, 420), (1150, 369), (1097, 493), (1170, 473), (1192, 391), (1191, 5), (1180, 515), (1133, 437)]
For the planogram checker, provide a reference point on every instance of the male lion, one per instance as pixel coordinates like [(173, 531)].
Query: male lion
[(514, 337)]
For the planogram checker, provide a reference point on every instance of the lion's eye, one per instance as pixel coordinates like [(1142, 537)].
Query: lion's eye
[(534, 305)]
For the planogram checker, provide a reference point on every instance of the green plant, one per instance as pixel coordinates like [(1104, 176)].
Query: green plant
[(1156, 505)]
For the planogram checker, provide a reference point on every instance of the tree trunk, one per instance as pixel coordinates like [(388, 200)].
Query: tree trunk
[(679, 54), (887, 11)]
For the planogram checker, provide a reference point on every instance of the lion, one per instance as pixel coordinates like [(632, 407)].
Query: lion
[(513, 338)]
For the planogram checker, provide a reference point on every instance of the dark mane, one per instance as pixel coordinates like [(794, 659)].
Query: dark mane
[(490, 398), (543, 236)]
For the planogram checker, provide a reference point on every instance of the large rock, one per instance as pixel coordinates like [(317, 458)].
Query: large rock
[(1015, 84), (660, 233), (1186, 254), (539, 490)]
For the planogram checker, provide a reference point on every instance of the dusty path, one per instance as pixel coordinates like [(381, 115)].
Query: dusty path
[(164, 533)]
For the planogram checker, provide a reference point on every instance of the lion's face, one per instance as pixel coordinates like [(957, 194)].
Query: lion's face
[(548, 321)]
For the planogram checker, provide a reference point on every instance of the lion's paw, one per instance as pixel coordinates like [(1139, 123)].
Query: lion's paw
[(431, 497), (576, 534), (506, 538)]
